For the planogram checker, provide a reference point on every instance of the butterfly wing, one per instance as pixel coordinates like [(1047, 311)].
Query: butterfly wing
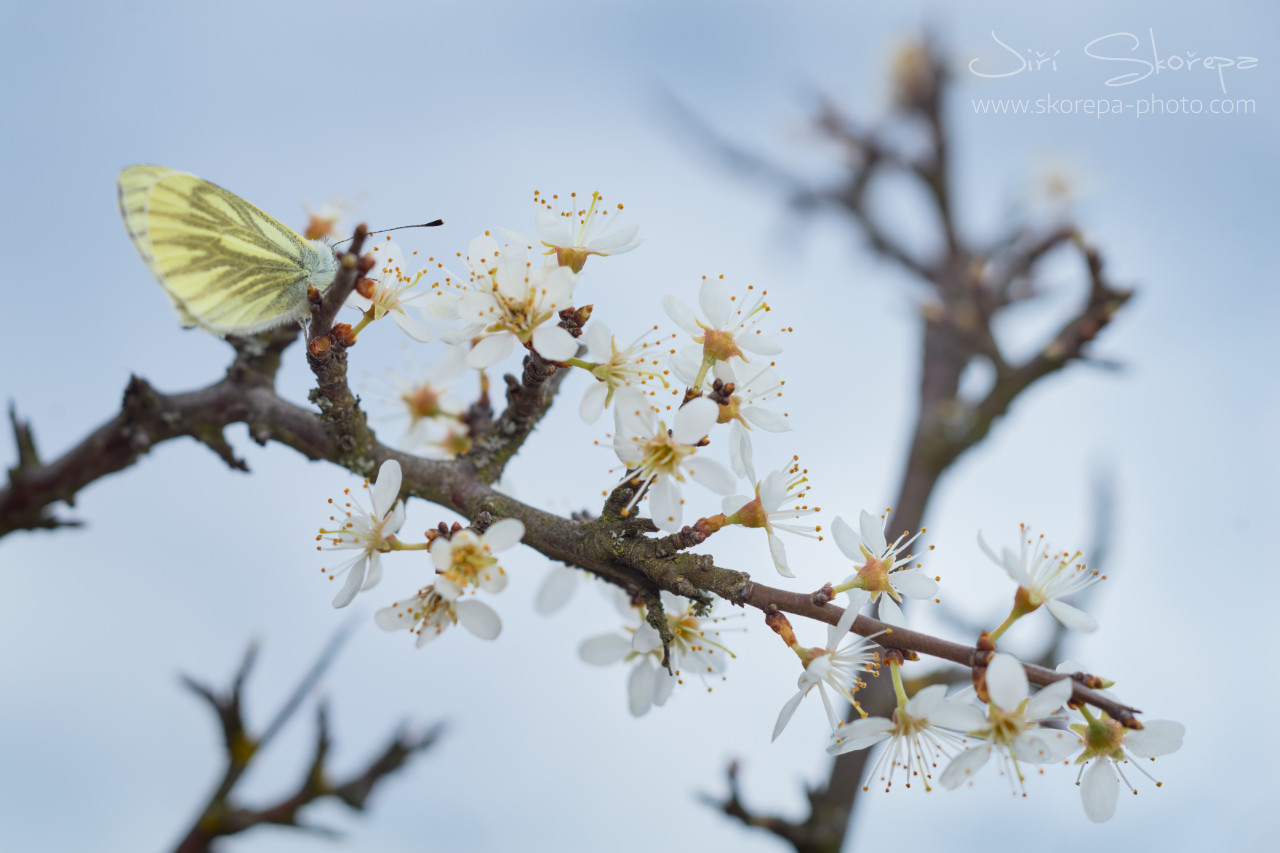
[(227, 266)]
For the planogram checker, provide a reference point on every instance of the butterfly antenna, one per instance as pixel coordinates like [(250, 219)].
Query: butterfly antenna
[(430, 224)]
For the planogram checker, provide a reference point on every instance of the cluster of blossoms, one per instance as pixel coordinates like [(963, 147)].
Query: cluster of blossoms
[(1010, 722), (507, 299), (694, 648), (463, 562)]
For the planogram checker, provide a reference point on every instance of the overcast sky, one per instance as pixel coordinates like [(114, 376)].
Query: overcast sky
[(416, 110)]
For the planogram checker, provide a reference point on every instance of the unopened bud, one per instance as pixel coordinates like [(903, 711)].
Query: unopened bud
[(774, 618), (343, 334)]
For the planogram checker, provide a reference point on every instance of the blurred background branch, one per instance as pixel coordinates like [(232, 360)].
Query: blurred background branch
[(969, 285), (222, 815)]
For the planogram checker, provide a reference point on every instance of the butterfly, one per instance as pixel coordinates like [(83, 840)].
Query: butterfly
[(227, 267)]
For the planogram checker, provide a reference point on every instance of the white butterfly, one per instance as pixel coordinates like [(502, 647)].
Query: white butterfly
[(228, 267)]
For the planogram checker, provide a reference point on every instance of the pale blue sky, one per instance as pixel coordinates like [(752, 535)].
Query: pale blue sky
[(417, 110)]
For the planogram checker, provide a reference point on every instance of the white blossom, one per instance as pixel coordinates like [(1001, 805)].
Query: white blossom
[(466, 560), (423, 402), (1012, 727), (882, 575), (921, 730), (509, 302), (428, 614), (753, 388), (1107, 746), (833, 666), (774, 506), (634, 367), (695, 648), (576, 233), (390, 295), (1045, 576), (369, 532), (728, 332), (660, 458)]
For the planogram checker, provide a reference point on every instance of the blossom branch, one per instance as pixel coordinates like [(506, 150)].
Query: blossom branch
[(896, 637), (614, 550), (971, 284)]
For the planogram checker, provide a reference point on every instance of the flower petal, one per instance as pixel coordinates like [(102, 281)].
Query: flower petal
[(779, 554), (355, 577), (871, 529), (554, 343), (593, 400), (448, 589), (604, 649), (740, 453), (914, 583), (1075, 619), (375, 572), (479, 618), (758, 345), (713, 299), (694, 420), (556, 589), (503, 534), (712, 474), (926, 699), (491, 350), (1044, 746), (681, 315), (957, 717), (665, 505), (766, 420), (493, 579), (846, 540), (964, 765), (1049, 699), (838, 631), (1099, 790), (664, 684), (386, 488), (1006, 681), (787, 712), (599, 341), (861, 734), (988, 550), (415, 329), (646, 639), (397, 617), (395, 519), (890, 613), (441, 552), (1159, 737), (554, 228), (640, 688), (616, 243), (857, 599)]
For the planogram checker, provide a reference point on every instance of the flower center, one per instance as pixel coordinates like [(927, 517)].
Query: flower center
[(662, 456), (718, 345)]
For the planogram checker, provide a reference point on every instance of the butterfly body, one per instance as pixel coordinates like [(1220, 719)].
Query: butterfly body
[(227, 266)]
